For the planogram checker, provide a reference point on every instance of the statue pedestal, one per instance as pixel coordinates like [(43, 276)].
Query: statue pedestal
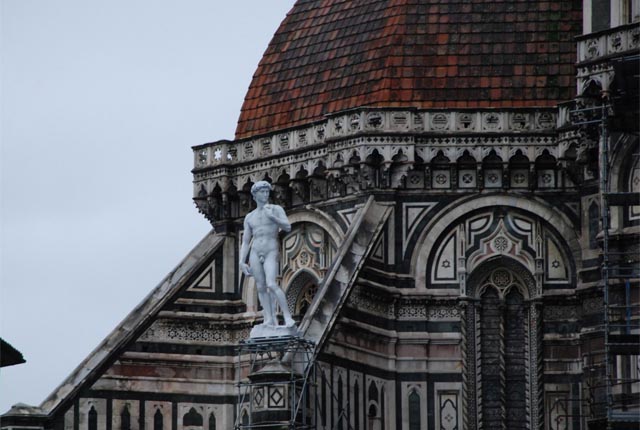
[(276, 393), (264, 330)]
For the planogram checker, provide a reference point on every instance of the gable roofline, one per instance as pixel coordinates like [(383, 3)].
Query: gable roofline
[(132, 325)]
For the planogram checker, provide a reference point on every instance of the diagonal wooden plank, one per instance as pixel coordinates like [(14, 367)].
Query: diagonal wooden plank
[(343, 271)]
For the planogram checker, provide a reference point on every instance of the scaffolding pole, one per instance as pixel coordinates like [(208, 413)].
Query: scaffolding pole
[(604, 209)]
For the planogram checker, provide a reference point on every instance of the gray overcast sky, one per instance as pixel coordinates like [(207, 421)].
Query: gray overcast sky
[(100, 104)]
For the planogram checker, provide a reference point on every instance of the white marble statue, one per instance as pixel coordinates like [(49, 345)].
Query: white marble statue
[(262, 225)]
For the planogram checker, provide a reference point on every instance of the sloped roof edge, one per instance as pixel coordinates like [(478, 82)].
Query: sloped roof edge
[(136, 320)]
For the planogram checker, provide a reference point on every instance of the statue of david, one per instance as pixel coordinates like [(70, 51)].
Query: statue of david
[(263, 225)]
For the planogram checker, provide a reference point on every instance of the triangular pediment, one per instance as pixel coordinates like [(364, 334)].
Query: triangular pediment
[(193, 272)]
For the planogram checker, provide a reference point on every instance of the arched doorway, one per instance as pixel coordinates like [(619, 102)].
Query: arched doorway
[(501, 348)]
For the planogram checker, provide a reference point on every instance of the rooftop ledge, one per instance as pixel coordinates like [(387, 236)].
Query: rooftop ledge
[(376, 121), (354, 152), (608, 43)]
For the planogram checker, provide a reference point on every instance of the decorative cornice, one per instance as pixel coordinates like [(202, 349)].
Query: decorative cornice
[(362, 122), (363, 149)]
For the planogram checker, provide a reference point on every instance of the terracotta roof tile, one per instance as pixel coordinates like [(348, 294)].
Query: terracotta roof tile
[(330, 55)]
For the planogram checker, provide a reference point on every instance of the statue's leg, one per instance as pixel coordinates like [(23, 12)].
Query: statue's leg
[(270, 271), (272, 303), (263, 292)]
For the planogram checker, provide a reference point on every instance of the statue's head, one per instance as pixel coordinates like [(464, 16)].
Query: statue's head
[(259, 186)]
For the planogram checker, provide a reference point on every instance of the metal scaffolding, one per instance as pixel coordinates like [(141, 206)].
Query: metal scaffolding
[(612, 389), (275, 380)]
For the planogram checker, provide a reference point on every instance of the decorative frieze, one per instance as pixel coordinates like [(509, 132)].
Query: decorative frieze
[(190, 331), (560, 313), (426, 309), (408, 309), (443, 313), (362, 300)]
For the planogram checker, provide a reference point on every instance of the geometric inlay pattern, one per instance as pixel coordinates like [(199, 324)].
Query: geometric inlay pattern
[(258, 397), (448, 410), (412, 214), (276, 397)]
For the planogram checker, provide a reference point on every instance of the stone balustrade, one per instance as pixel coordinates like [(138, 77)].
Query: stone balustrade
[(605, 44)]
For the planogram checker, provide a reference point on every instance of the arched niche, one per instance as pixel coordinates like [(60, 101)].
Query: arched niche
[(307, 247), (300, 292), (485, 234), (433, 230), (502, 338), (489, 273)]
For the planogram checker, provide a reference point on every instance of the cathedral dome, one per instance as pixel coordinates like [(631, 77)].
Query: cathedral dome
[(332, 55)]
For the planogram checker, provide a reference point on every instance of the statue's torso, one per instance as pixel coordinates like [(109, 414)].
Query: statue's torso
[(264, 232)]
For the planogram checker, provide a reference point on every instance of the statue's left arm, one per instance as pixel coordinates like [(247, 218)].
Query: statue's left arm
[(278, 215)]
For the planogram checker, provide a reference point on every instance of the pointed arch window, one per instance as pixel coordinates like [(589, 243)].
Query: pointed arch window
[(382, 409), (158, 419), (373, 409), (356, 406), (212, 421), (323, 392), (373, 392), (192, 419), (502, 335), (340, 405), (414, 410), (93, 419), (306, 297), (125, 418)]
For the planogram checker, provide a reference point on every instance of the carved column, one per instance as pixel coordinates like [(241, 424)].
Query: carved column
[(462, 260), (503, 369), (536, 368), (464, 310), (468, 310), (539, 260)]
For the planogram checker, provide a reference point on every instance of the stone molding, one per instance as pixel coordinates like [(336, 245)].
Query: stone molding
[(353, 123)]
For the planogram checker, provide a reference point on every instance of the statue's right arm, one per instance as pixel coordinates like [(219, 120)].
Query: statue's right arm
[(244, 248)]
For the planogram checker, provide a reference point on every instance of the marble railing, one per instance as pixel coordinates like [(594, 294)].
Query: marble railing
[(605, 44), (466, 126)]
